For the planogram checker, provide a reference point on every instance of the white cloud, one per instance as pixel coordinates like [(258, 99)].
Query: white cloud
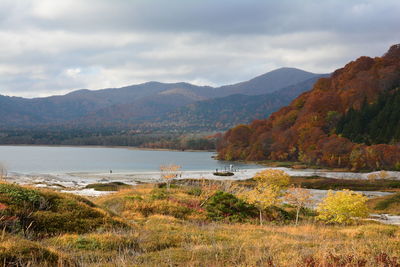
[(73, 73)]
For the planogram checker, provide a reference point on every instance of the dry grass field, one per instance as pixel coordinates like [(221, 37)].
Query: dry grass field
[(152, 226)]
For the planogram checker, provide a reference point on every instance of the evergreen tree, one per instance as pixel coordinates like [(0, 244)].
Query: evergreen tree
[(373, 123)]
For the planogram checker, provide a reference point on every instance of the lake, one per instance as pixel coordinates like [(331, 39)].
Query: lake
[(47, 159)]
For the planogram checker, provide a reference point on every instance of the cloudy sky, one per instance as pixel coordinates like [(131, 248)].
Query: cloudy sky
[(52, 47)]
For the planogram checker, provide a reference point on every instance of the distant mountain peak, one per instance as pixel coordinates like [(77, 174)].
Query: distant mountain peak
[(288, 68), (270, 82)]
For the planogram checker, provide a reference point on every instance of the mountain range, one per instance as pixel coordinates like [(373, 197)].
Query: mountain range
[(158, 105)]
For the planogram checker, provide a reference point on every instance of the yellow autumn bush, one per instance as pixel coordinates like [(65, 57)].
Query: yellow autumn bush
[(342, 207)]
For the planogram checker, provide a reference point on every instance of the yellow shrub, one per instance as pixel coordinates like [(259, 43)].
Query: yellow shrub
[(342, 207)]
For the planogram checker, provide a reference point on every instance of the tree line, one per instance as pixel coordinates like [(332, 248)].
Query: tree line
[(83, 137)]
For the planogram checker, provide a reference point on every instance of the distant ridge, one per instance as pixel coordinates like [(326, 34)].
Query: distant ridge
[(144, 104)]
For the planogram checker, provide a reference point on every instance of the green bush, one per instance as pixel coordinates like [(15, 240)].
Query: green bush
[(223, 206)]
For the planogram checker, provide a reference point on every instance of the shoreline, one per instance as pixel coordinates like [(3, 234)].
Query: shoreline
[(80, 179), (99, 146)]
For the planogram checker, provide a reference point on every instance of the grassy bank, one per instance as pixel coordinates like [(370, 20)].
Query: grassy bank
[(151, 226)]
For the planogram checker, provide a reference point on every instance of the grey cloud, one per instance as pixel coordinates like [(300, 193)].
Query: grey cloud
[(49, 47), (222, 16)]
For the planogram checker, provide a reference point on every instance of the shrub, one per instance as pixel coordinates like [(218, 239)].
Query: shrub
[(342, 206), (225, 206)]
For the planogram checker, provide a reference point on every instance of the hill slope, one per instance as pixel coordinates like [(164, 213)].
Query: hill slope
[(58, 109), (305, 130)]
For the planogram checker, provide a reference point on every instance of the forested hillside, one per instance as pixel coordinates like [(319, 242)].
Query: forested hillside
[(307, 130), (134, 106), (225, 112)]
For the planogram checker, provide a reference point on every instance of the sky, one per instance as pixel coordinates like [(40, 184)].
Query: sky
[(52, 47)]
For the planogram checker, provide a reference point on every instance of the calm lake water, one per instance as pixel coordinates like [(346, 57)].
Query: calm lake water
[(42, 159)]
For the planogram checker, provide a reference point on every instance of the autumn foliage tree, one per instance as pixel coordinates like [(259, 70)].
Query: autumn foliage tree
[(267, 191), (342, 207)]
